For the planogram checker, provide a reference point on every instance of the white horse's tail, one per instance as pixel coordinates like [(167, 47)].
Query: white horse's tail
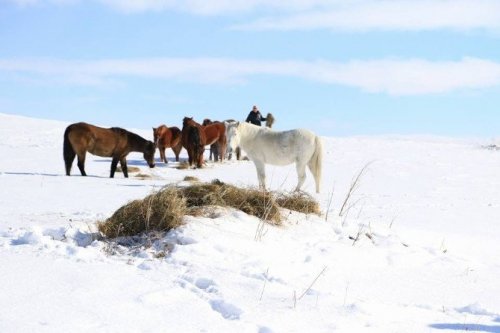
[(316, 162)]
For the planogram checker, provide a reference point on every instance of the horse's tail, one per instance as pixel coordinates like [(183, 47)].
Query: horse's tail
[(68, 151), (316, 162), (198, 147)]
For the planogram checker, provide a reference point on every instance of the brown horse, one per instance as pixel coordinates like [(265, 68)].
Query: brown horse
[(112, 142), (193, 139), (167, 137), (216, 138)]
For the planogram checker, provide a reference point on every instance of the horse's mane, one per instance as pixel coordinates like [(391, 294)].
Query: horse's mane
[(251, 128), (130, 135)]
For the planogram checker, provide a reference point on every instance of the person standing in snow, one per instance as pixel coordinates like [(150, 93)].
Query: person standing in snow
[(255, 117)]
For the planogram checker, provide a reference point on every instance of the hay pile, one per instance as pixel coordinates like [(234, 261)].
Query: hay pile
[(164, 210), (251, 201), (159, 211)]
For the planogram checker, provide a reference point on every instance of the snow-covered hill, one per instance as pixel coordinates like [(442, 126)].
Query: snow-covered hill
[(427, 258)]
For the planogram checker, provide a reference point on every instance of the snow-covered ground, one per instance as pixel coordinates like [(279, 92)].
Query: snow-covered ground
[(431, 263)]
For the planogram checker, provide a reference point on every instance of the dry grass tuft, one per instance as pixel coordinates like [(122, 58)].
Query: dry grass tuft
[(191, 179), (129, 169), (299, 202), (143, 176), (251, 201), (160, 211), (183, 165), (165, 209)]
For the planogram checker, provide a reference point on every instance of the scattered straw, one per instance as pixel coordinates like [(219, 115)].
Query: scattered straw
[(143, 176), (191, 179), (299, 201), (129, 169), (183, 165)]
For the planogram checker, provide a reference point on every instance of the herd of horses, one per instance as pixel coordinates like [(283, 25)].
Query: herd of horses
[(262, 145)]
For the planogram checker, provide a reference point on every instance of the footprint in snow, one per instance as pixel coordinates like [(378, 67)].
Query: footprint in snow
[(264, 329), (227, 310), (206, 284)]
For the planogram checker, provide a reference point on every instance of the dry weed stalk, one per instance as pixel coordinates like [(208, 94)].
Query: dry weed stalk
[(261, 226), (330, 201), (356, 238), (264, 286), (354, 186), (345, 294), (312, 283)]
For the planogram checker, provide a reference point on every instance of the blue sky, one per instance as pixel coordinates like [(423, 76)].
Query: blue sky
[(336, 67)]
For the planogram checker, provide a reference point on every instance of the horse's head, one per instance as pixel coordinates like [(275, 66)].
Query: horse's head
[(186, 121), (232, 134), (158, 133), (155, 136), (206, 122), (149, 154)]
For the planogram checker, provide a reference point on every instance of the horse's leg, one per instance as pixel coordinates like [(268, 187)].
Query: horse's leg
[(261, 173), (222, 152), (163, 157), (316, 174), (190, 157), (199, 159), (123, 164), (215, 150), (114, 163), (81, 163), (301, 174), (238, 153), (177, 149)]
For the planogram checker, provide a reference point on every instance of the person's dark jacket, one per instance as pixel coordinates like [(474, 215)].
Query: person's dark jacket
[(255, 118)]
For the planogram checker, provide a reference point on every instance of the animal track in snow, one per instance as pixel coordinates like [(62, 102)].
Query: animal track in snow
[(206, 284), (227, 310)]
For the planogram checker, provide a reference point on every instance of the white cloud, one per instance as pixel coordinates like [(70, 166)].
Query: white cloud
[(394, 77), (406, 15), (28, 3), (217, 7), (353, 15)]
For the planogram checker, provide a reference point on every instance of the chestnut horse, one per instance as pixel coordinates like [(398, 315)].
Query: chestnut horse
[(193, 139), (216, 138), (167, 137), (115, 142)]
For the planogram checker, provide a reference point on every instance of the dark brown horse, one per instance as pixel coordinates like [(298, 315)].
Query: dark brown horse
[(167, 137), (193, 139), (216, 138), (114, 142)]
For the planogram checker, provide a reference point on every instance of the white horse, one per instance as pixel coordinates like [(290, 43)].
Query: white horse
[(264, 146)]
